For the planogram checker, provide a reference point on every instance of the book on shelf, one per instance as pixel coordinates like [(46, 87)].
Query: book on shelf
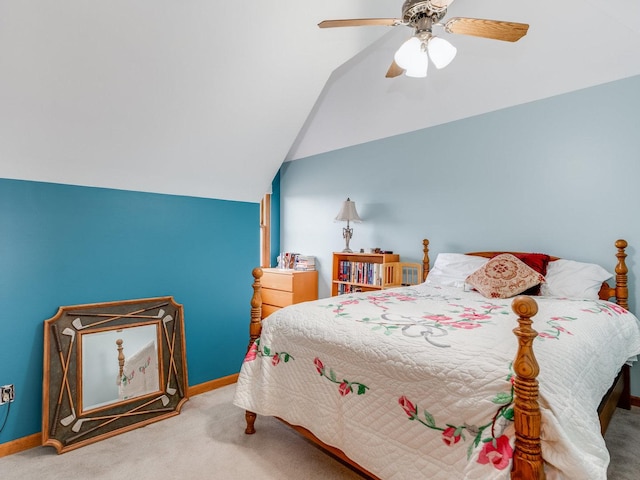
[(360, 272), (344, 288)]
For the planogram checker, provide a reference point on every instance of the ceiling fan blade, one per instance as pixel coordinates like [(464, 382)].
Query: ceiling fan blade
[(394, 70), (494, 29), (360, 22)]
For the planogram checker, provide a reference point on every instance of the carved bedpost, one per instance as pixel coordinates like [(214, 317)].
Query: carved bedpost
[(255, 328), (256, 307), (527, 457), (425, 259), (622, 290), (120, 358)]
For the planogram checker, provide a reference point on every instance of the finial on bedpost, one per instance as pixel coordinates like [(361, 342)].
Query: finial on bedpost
[(527, 457), (622, 290), (425, 259)]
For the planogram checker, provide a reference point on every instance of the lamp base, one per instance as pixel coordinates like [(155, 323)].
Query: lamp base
[(347, 233)]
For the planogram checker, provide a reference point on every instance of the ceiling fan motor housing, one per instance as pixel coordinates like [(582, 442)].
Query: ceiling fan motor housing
[(421, 14)]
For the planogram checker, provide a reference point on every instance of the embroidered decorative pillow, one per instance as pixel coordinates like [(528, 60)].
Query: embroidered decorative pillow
[(537, 261), (504, 276)]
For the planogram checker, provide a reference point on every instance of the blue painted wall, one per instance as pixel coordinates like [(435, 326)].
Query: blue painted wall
[(558, 175), (67, 245)]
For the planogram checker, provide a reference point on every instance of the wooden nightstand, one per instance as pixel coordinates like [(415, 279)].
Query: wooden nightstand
[(281, 287)]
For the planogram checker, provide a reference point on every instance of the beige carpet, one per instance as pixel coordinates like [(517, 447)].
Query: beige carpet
[(206, 441)]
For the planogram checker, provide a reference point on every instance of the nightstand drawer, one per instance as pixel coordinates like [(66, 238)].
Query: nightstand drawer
[(278, 281), (277, 298)]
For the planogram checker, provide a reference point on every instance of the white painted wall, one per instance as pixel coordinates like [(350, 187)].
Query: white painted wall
[(206, 98), (188, 97)]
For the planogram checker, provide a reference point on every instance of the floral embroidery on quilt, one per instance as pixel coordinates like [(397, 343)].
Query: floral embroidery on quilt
[(344, 386), (409, 327), (555, 328), (265, 351), (382, 299), (429, 326), (432, 326), (339, 310), (126, 379), (496, 448), (606, 307), (385, 298), (143, 368), (475, 317)]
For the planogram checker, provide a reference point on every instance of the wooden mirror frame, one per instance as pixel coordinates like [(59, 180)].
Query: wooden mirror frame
[(64, 425)]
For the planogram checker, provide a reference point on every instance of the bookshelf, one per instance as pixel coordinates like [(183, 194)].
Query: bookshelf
[(364, 272)]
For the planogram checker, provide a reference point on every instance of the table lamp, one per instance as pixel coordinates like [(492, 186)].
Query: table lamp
[(348, 213)]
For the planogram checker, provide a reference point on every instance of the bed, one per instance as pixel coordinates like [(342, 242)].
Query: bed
[(427, 381), (138, 373)]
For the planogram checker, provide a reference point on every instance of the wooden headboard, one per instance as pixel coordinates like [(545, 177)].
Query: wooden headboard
[(620, 291)]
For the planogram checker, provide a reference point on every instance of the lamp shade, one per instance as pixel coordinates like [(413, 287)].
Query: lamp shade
[(348, 212)]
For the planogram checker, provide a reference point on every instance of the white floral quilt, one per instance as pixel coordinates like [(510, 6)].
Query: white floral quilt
[(416, 382)]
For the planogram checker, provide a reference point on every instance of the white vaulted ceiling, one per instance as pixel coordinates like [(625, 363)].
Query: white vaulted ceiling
[(570, 45), (207, 99)]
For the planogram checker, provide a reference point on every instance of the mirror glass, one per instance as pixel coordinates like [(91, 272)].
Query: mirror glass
[(119, 364)]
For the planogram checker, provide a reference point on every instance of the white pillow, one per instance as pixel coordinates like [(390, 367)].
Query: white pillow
[(568, 278), (452, 269)]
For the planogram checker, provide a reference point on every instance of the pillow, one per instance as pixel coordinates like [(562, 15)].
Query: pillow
[(568, 278), (504, 276), (452, 269), (537, 261)]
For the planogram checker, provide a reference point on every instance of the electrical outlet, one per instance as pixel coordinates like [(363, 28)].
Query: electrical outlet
[(7, 394)]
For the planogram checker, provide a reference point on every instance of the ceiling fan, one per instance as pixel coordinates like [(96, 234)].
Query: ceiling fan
[(412, 58)]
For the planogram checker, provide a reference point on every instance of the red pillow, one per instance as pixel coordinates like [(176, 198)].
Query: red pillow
[(537, 261)]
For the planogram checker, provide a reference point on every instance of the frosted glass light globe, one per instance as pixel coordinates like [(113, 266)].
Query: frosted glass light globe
[(412, 58), (441, 51)]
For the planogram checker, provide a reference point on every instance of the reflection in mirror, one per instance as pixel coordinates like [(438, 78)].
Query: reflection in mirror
[(119, 364), (111, 367)]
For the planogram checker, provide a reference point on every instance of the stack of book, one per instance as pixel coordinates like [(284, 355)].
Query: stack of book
[(305, 262), (287, 260), (360, 272)]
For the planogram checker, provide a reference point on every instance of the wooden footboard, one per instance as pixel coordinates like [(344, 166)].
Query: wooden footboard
[(527, 457)]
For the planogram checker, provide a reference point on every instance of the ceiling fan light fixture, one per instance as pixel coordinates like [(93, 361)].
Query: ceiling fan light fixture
[(418, 71), (413, 58), (441, 51)]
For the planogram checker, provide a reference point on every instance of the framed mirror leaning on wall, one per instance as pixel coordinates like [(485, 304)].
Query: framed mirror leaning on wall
[(110, 368)]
